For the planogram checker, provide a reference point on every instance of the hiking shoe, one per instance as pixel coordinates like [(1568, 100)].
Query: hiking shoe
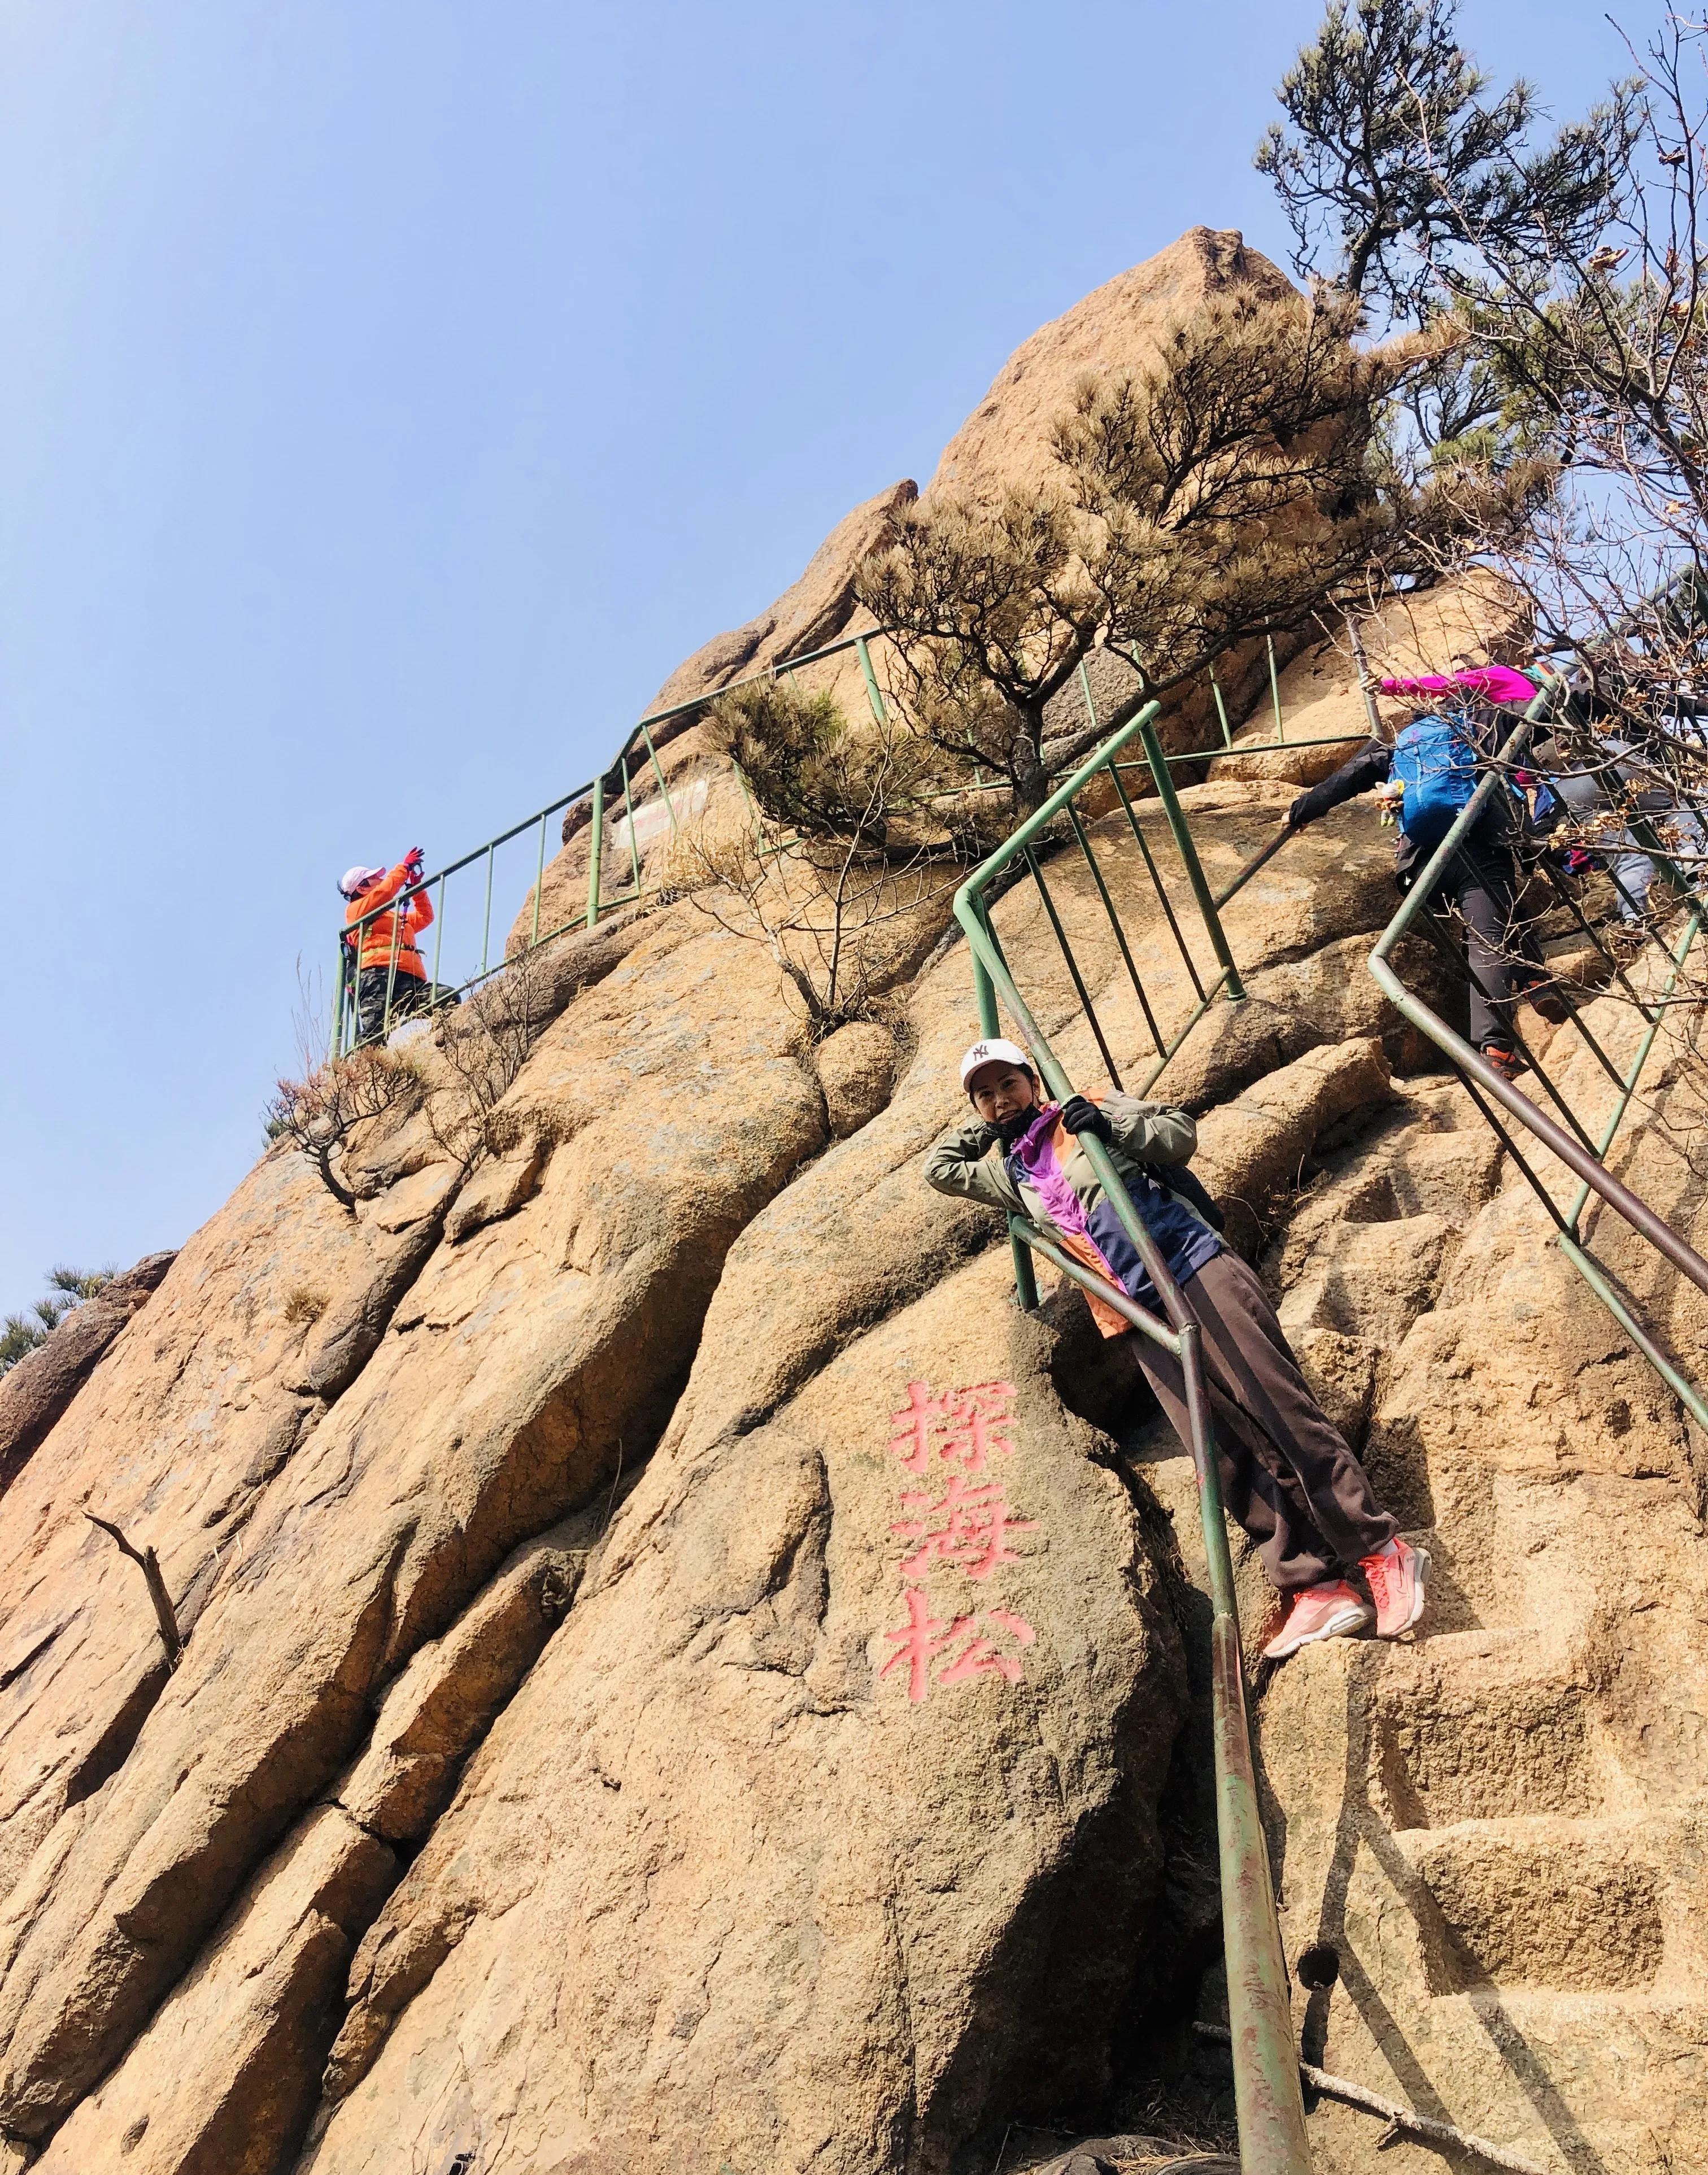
[(1397, 1573), (1333, 1611), (1506, 1062), (1550, 997), (1626, 940)]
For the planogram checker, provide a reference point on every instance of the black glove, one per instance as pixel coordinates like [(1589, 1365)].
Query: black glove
[(1300, 813), (1080, 1116)]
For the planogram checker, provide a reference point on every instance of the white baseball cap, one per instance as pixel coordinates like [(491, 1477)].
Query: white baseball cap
[(351, 881), (993, 1052)]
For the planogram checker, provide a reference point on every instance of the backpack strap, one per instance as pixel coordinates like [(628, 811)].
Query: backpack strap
[(1181, 1179)]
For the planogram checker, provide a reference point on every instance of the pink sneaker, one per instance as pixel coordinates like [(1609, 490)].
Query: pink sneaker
[(1333, 1611), (1397, 1573)]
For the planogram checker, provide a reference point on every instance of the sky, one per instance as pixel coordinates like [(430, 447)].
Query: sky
[(393, 395)]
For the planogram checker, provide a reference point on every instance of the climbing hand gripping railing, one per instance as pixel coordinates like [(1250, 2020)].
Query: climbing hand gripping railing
[(1266, 2063), (1581, 1147)]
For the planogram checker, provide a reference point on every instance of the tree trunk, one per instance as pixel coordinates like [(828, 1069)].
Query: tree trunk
[(1031, 778)]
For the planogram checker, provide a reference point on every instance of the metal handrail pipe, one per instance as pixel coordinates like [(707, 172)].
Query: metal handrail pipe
[(1264, 854), (1268, 2104), (582, 792), (1629, 1087), (1148, 1324), (1017, 841), (1599, 1282), (1569, 1151)]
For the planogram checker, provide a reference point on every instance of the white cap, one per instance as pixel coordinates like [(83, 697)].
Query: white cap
[(993, 1052), (352, 880)]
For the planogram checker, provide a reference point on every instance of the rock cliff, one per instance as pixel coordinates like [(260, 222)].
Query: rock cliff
[(595, 1748)]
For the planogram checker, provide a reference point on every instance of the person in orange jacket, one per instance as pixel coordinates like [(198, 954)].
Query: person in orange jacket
[(389, 981)]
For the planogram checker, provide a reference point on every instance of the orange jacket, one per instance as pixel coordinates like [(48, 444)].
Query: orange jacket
[(381, 932)]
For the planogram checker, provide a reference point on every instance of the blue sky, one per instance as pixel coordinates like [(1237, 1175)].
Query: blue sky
[(392, 394)]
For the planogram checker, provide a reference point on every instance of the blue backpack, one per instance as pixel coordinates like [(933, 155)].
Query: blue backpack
[(1435, 762)]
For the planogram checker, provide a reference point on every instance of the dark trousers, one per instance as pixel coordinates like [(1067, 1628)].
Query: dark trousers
[(1500, 949), (1287, 1477), (409, 993)]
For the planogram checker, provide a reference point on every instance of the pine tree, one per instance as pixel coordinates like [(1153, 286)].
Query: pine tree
[(67, 1288)]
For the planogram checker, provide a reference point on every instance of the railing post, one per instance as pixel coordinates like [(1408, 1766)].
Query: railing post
[(593, 866), (1189, 855), (1221, 709), (658, 772), (629, 817), (538, 884), (990, 1026), (486, 919), (392, 964), (1091, 715), (337, 1000), (873, 692), (1275, 690), (1364, 687)]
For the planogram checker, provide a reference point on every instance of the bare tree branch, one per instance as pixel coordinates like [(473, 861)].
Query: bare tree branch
[(166, 1617)]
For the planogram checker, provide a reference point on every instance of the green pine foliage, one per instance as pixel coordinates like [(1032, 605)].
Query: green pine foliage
[(67, 1288)]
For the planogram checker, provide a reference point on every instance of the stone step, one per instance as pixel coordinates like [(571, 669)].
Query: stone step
[(1548, 1902), (1475, 1726)]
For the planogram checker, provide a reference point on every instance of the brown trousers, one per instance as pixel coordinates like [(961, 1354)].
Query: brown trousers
[(1288, 1476)]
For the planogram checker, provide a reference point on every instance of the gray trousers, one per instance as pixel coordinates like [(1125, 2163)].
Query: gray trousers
[(1500, 948), (1288, 1476), (409, 994)]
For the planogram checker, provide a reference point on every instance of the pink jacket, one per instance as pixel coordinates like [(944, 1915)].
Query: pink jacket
[(1497, 683)]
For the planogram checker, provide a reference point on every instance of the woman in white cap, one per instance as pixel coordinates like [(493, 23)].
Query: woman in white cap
[(1288, 1476), (389, 980)]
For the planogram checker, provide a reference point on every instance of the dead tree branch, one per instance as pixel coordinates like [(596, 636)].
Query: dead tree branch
[(1401, 2120), (165, 1614)]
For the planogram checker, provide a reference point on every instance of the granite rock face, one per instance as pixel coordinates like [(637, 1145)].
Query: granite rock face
[(680, 1676), (37, 1389), (785, 1893)]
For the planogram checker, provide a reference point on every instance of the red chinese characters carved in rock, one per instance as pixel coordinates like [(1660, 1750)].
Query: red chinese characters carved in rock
[(973, 1536), (964, 1531), (961, 1427)]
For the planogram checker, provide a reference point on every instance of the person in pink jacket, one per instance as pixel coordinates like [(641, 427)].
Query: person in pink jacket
[(1480, 882), (1495, 683)]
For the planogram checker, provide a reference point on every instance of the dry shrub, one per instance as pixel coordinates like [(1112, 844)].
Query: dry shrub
[(827, 912), (304, 1304), (319, 1112), (480, 1048)]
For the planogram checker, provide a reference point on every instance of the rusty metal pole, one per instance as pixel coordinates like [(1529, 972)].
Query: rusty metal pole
[(1265, 2069), (1267, 2100), (1267, 2096)]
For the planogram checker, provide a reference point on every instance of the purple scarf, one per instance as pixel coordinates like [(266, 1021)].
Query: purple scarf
[(1035, 1152)]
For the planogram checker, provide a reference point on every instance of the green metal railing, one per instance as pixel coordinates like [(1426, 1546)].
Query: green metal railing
[(1272, 2126), (1270, 2109), (1568, 1137), (637, 763)]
